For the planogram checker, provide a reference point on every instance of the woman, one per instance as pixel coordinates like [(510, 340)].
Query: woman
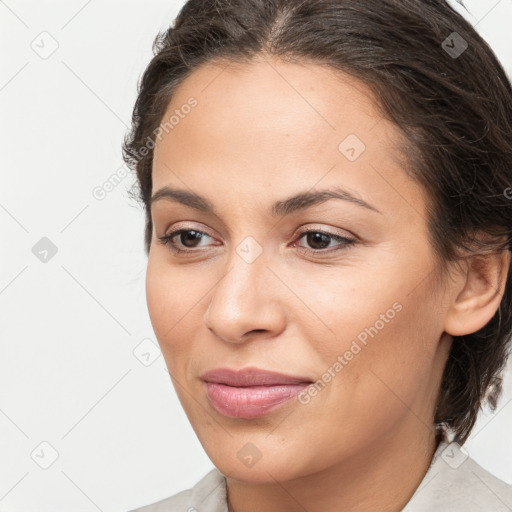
[(328, 236)]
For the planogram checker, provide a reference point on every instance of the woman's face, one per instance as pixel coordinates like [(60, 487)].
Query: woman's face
[(259, 285)]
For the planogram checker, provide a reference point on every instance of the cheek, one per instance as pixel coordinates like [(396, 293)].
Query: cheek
[(381, 341), (159, 298), (177, 298), (345, 311), (170, 300), (380, 312), (386, 366)]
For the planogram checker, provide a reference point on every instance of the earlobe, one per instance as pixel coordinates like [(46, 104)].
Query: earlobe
[(483, 284)]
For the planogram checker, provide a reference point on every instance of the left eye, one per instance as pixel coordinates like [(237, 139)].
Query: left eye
[(320, 240)]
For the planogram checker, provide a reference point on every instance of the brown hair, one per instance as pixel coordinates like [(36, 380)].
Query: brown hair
[(432, 75)]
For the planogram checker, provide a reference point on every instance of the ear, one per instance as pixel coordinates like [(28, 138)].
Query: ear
[(478, 292)]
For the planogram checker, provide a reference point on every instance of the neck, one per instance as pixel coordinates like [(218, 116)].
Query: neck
[(384, 478)]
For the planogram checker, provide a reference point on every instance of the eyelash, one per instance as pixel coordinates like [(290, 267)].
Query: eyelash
[(346, 242)]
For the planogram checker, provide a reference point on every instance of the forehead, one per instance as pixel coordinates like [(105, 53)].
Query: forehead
[(269, 123), (273, 100)]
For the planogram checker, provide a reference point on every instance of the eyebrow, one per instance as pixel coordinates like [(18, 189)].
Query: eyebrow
[(298, 202)]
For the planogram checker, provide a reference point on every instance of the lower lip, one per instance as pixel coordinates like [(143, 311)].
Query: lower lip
[(250, 402)]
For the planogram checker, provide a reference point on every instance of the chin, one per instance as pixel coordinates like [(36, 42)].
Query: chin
[(257, 461), (262, 472)]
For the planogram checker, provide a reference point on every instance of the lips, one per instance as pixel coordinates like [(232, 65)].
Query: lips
[(250, 392), (251, 377)]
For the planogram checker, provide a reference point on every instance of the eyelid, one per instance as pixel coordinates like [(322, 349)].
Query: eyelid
[(182, 225), (301, 230), (328, 231)]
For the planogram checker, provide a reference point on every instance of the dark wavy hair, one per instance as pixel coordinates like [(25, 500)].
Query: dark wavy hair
[(433, 76)]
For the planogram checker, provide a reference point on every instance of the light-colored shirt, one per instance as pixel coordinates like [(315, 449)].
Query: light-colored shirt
[(453, 483)]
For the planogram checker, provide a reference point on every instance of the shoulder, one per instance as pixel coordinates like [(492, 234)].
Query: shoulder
[(176, 502), (456, 482), (207, 495)]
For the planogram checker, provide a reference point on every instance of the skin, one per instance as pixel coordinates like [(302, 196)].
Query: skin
[(262, 132)]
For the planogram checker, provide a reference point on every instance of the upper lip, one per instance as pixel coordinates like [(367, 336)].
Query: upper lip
[(251, 377)]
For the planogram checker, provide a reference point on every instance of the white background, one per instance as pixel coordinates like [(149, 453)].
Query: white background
[(69, 376)]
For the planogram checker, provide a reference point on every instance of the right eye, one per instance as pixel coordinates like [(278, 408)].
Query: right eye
[(184, 237)]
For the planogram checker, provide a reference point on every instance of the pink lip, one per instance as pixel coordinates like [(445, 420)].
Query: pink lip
[(250, 392)]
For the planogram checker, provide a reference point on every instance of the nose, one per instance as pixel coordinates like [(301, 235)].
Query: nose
[(245, 302)]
